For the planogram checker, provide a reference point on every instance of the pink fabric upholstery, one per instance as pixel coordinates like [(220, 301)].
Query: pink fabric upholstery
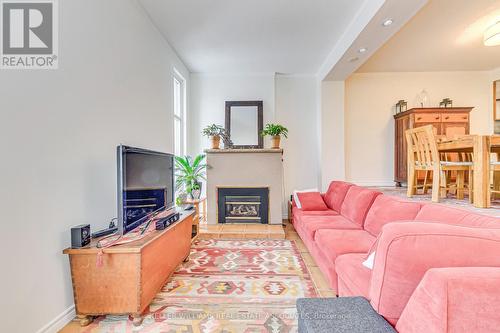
[(405, 251), (357, 202), (331, 243), (336, 194), (387, 209), (311, 201), (300, 213), (353, 277), (311, 224), (441, 214), (458, 299)]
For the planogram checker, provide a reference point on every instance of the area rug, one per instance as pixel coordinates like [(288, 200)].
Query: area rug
[(227, 286)]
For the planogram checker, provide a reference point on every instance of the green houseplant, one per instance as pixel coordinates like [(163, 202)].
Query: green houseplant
[(275, 131), (214, 132), (189, 173)]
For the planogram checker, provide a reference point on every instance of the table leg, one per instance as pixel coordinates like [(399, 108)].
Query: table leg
[(482, 171)]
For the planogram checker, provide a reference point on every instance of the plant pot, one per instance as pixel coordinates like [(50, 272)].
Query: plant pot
[(275, 142), (195, 194), (215, 140)]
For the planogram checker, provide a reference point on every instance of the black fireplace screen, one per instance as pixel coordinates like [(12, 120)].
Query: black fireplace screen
[(243, 205)]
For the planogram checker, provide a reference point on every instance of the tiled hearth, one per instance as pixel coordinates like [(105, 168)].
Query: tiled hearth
[(242, 231)]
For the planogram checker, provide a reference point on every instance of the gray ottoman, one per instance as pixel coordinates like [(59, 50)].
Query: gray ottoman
[(342, 314)]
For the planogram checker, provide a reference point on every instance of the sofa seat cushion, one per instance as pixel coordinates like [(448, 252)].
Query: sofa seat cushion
[(354, 278), (335, 242), (311, 224), (357, 202), (335, 194), (298, 213), (387, 209)]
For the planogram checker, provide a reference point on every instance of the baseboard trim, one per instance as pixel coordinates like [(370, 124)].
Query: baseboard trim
[(56, 324)]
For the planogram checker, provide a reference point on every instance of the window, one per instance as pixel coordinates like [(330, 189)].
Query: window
[(179, 115)]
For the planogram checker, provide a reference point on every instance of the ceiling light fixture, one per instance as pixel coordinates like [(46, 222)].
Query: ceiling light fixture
[(492, 35), (388, 22), (362, 50)]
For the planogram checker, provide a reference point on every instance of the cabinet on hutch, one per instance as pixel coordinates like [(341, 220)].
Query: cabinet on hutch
[(448, 122)]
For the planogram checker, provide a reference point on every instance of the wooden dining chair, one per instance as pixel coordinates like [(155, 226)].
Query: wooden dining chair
[(423, 155)]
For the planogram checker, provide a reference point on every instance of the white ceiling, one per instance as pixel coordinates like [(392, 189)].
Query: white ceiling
[(446, 35), (253, 36)]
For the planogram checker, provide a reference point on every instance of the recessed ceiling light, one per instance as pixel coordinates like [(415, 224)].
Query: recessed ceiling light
[(362, 50), (387, 22), (353, 59)]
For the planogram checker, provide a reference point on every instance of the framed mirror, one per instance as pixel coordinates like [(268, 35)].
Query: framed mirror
[(244, 122)]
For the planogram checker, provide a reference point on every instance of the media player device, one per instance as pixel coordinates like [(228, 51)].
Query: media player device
[(80, 236), (164, 222)]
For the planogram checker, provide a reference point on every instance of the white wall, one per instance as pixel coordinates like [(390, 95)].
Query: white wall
[(332, 126), (369, 123), (296, 109), (209, 92), (289, 100), (58, 134)]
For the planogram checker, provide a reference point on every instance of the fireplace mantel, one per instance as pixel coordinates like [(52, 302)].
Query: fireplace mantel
[(232, 151), (245, 168)]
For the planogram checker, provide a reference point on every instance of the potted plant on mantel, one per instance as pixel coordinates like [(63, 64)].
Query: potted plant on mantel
[(189, 174), (275, 131), (214, 132)]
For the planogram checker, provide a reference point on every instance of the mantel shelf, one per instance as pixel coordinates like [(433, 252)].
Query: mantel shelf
[(239, 151)]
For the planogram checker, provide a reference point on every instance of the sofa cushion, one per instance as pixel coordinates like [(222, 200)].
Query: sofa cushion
[(335, 194), (478, 220), (335, 242), (387, 209), (297, 212), (311, 201), (354, 278), (311, 224), (357, 202), (441, 214)]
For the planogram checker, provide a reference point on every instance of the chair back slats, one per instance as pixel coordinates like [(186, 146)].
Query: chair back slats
[(423, 151)]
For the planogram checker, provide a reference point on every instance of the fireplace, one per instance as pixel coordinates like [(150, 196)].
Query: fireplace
[(243, 205)]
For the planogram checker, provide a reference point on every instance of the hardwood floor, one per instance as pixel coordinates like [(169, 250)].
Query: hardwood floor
[(287, 232)]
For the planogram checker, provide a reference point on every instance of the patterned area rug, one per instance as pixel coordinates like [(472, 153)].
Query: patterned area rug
[(227, 286)]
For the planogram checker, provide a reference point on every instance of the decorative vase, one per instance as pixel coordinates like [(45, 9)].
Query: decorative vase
[(196, 194), (275, 141), (215, 139)]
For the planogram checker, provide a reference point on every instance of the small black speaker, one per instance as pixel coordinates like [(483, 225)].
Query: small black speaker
[(80, 236)]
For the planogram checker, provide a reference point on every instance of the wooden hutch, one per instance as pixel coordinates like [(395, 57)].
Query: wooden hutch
[(446, 121)]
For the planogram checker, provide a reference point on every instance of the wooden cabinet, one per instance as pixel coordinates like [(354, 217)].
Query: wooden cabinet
[(448, 122), (131, 274)]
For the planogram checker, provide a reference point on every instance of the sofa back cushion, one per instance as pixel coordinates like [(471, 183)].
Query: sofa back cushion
[(335, 194), (357, 202), (387, 209), (456, 216)]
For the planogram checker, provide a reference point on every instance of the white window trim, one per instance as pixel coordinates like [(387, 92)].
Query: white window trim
[(178, 76)]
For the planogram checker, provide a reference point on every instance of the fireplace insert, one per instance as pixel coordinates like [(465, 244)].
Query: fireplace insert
[(243, 205)]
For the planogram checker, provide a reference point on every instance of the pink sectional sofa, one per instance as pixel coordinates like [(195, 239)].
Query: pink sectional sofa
[(409, 239)]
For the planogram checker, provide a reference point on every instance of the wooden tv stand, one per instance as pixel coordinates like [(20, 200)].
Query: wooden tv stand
[(131, 274)]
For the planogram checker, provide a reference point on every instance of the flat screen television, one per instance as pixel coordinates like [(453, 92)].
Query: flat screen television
[(145, 185)]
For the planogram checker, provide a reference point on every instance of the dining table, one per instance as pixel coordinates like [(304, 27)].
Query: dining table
[(482, 146)]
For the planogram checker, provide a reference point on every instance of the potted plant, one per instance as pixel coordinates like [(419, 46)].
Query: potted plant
[(189, 173), (275, 131), (214, 132)]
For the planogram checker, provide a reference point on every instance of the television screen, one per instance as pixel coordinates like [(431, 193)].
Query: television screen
[(145, 185)]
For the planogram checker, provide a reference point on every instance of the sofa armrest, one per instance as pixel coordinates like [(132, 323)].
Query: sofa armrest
[(405, 251), (458, 299)]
